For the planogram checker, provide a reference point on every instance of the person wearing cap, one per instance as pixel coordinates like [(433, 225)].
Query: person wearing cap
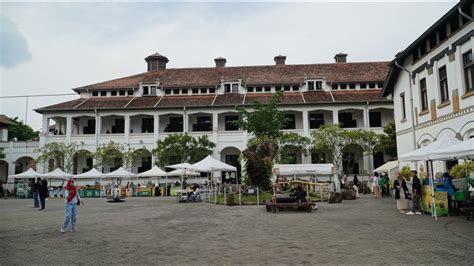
[(416, 195)]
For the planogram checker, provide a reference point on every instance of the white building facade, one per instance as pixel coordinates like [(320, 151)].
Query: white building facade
[(431, 84), (141, 109)]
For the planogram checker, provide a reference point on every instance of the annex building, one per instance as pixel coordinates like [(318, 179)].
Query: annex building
[(431, 83)]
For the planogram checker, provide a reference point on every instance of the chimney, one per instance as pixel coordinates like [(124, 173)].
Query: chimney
[(156, 61), (341, 58), (280, 60), (220, 61)]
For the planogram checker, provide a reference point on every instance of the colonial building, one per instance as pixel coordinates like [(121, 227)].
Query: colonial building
[(143, 108), (431, 83), (19, 155)]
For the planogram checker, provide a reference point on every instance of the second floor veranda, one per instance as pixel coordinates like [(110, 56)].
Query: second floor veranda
[(152, 125)]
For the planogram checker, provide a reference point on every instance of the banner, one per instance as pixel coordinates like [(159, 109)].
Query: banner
[(441, 201)]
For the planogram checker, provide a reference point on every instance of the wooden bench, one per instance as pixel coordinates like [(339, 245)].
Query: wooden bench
[(275, 207), (468, 211)]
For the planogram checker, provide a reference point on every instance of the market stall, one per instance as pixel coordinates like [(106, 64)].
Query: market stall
[(56, 190), (88, 191), (434, 200), (19, 184), (116, 191), (153, 172)]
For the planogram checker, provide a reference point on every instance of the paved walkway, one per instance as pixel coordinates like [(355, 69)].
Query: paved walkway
[(158, 230)]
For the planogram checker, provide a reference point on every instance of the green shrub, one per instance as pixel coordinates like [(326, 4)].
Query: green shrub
[(405, 172), (462, 170)]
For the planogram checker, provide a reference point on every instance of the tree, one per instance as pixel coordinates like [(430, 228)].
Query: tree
[(388, 141), (116, 155), (21, 132), (58, 155), (182, 148), (265, 123), (290, 143), (336, 141)]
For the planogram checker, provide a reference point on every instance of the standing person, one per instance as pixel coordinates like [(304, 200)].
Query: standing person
[(382, 185), (448, 186), (36, 189), (345, 181), (71, 200), (43, 193), (375, 185), (401, 193), (416, 195), (356, 185)]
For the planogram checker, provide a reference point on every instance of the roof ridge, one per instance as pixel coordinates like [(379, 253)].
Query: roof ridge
[(159, 100), (133, 98), (81, 103)]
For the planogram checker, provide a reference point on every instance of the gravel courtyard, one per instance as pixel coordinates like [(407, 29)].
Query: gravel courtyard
[(158, 230)]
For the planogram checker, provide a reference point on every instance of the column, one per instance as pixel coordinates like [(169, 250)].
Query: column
[(44, 131), (185, 122), (127, 128), (156, 126), (335, 117), (305, 123), (68, 129), (215, 121), (98, 129), (365, 116)]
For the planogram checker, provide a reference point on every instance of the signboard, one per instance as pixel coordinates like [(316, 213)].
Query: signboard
[(441, 201)]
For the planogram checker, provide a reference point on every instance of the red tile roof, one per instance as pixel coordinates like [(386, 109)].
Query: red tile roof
[(251, 75), (149, 102)]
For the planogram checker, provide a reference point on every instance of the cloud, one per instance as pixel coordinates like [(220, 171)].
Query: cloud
[(13, 45)]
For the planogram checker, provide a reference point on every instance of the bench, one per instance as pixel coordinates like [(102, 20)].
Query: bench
[(275, 207), (468, 211)]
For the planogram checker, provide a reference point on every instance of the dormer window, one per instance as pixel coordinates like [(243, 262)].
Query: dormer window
[(149, 90), (268, 89), (168, 91), (113, 93), (175, 91), (296, 88), (95, 93), (212, 90), (315, 85), (184, 91), (203, 90), (287, 88), (231, 87), (103, 93), (130, 92), (258, 89), (122, 93), (195, 91)]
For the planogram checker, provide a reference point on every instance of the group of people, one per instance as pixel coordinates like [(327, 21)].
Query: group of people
[(40, 193), (380, 185)]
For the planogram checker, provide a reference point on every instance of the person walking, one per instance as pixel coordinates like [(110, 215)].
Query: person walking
[(416, 195), (375, 185), (383, 185), (36, 189), (71, 200), (43, 193), (401, 193)]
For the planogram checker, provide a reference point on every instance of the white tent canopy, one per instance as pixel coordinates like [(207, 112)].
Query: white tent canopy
[(57, 173), (302, 169), (121, 173), (182, 172), (180, 166), (30, 173), (91, 174), (425, 153), (209, 164), (153, 172), (462, 150)]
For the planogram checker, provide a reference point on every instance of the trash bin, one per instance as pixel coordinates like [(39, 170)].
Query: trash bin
[(230, 199)]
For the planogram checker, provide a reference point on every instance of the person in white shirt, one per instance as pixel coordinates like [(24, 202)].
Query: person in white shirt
[(375, 185)]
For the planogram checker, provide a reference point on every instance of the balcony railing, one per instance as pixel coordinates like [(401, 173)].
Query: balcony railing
[(19, 144)]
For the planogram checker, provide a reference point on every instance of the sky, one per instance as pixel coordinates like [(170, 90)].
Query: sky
[(49, 48)]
